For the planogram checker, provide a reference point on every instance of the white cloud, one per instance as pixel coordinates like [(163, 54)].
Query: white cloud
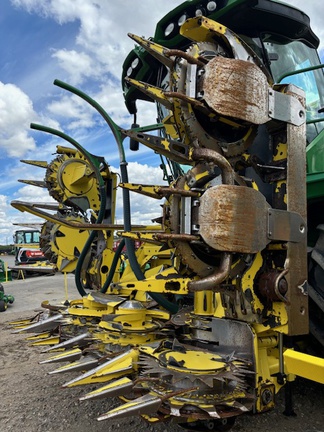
[(4, 206), (9, 216), (103, 30), (73, 110), (101, 47), (31, 193), (6, 228), (78, 113), (78, 65), (48, 8), (104, 25), (143, 173), (16, 113)]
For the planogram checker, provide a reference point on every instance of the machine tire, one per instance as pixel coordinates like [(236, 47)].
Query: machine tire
[(3, 306), (316, 290)]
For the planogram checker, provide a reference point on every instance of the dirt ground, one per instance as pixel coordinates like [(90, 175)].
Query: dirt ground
[(33, 401)]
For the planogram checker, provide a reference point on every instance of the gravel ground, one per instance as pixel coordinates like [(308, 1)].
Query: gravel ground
[(33, 401)]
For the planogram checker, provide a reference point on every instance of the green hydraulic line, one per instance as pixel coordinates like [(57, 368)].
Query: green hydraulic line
[(148, 128), (102, 191), (315, 121), (119, 137), (299, 71), (116, 130), (113, 126)]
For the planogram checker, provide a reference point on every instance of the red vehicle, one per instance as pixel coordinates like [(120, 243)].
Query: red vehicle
[(29, 258), (27, 251)]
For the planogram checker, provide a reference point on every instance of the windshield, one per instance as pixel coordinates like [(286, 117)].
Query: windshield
[(287, 56), (28, 237)]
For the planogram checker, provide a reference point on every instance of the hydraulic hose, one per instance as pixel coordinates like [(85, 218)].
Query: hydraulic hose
[(113, 266), (130, 247)]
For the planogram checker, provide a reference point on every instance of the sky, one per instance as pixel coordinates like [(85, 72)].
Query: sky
[(84, 43)]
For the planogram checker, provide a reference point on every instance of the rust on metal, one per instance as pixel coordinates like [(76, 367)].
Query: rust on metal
[(219, 160), (213, 281), (165, 191), (179, 53), (197, 177), (236, 88), (297, 307), (178, 237), (233, 219), (272, 285), (154, 49), (194, 102)]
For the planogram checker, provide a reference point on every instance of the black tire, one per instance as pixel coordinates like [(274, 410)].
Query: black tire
[(316, 293), (1, 288), (3, 305)]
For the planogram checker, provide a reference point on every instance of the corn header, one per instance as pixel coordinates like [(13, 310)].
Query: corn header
[(212, 315)]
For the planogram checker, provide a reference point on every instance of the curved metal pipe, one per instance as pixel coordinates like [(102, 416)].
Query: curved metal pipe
[(208, 155), (210, 283), (179, 53)]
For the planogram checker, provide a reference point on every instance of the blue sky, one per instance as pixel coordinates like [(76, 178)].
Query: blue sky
[(84, 43)]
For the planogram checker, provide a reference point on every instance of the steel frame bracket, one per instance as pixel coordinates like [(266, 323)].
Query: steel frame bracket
[(286, 226), (285, 107)]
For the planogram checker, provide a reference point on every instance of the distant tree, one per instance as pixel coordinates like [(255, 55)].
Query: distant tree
[(6, 248)]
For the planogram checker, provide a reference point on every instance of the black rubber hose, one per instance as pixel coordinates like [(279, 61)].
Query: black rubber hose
[(113, 266), (87, 246), (130, 247)]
